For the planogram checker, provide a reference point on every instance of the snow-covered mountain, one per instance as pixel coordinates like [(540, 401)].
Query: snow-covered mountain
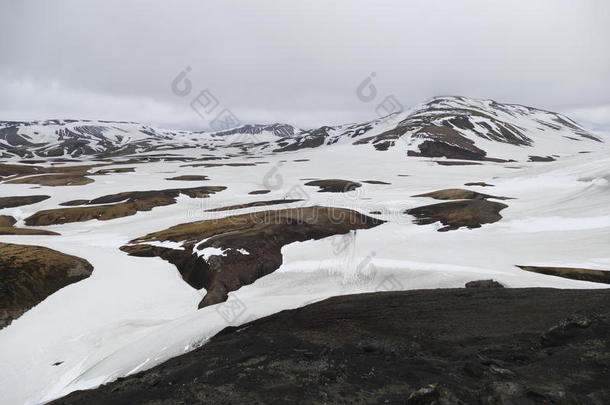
[(451, 126), (464, 128)]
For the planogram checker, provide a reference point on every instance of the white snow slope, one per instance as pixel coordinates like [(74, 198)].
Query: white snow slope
[(134, 313)]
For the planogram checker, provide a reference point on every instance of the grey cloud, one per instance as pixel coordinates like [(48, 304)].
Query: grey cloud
[(296, 62)]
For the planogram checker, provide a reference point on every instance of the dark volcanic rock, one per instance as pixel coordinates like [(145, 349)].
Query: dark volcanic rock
[(433, 394), (456, 214), (441, 141), (311, 139), (250, 244), (29, 274), (483, 284), (446, 346)]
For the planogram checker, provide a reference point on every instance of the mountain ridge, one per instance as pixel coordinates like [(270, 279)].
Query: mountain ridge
[(443, 126)]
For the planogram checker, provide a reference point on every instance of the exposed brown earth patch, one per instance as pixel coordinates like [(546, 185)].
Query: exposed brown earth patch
[(7, 227), (334, 185), (511, 346), (103, 172), (595, 276), (53, 180), (121, 205), (18, 201), (457, 214), (7, 170), (253, 204), (56, 176), (541, 159), (375, 182), (189, 177), (255, 192), (260, 234), (7, 221), (73, 203), (459, 194), (29, 274), (25, 231), (219, 164), (479, 184), (456, 163)]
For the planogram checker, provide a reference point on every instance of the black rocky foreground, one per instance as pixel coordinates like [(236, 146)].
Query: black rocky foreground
[(448, 346)]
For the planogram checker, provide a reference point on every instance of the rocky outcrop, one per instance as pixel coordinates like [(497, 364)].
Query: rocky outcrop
[(277, 129), (447, 346), (222, 255), (441, 141), (29, 274), (483, 284), (311, 139)]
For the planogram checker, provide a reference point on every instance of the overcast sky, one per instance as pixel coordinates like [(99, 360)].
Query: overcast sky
[(298, 62)]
